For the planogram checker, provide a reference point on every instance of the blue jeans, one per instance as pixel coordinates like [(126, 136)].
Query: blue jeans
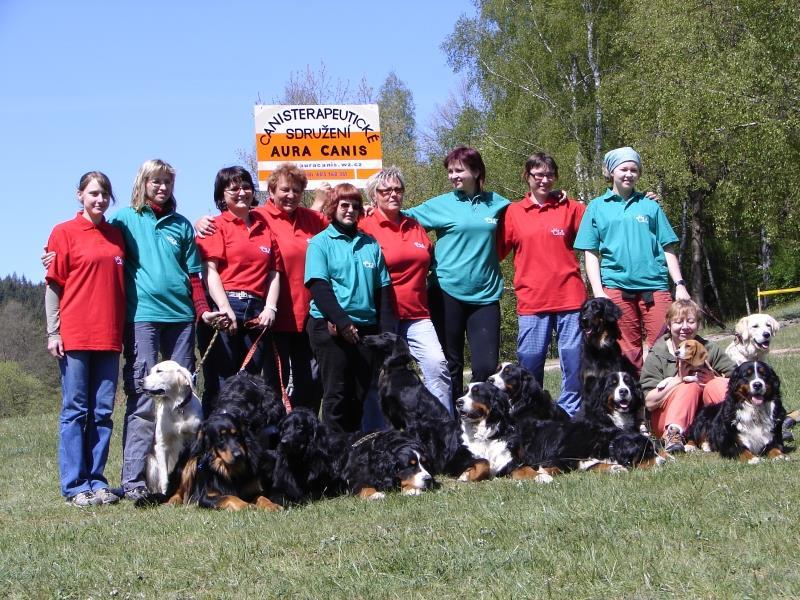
[(88, 386), (143, 342), (425, 348), (229, 351), (535, 332)]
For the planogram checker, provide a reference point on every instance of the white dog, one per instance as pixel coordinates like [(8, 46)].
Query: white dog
[(752, 337), (178, 417)]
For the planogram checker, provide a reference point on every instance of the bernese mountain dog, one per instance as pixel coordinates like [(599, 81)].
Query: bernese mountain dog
[(305, 467), (486, 426), (748, 423), (526, 397), (384, 461), (410, 407), (604, 435), (601, 352)]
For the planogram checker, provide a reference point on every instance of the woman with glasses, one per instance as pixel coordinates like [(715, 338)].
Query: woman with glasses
[(673, 400), (292, 226), (351, 297), (241, 259), (408, 253), (466, 282), (540, 229)]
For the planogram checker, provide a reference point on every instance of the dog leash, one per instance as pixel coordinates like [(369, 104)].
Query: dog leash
[(249, 356), (287, 403), (205, 355)]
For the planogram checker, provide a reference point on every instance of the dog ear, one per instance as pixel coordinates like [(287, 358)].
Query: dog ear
[(184, 374), (742, 330), (773, 323), (613, 311)]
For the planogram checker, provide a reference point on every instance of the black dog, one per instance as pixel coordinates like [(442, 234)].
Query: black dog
[(616, 401), (748, 424), (225, 467), (305, 468), (250, 397), (409, 406), (601, 352), (527, 398), (384, 461)]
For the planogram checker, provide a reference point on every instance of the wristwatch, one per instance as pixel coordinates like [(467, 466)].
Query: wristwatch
[(680, 282)]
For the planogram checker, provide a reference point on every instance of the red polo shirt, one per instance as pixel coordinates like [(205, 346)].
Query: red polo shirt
[(407, 251), (292, 233), (244, 256), (88, 266), (547, 276)]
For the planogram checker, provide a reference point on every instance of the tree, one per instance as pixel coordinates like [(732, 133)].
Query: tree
[(708, 91)]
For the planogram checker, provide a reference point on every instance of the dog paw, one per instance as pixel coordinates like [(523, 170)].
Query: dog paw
[(543, 478), (376, 496), (660, 460), (781, 457), (411, 492), (706, 447), (617, 469), (754, 461)]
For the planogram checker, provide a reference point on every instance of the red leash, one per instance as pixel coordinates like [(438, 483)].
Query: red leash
[(284, 395)]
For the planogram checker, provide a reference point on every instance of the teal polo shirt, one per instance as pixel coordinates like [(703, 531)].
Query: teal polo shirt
[(467, 265), (353, 266), (630, 237), (159, 255)]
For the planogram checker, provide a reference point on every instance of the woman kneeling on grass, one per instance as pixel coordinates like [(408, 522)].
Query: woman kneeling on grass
[(673, 401), (85, 310)]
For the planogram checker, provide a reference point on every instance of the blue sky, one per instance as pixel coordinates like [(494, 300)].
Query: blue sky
[(106, 85)]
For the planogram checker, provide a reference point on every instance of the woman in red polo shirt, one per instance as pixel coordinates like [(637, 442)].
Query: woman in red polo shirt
[(292, 225), (241, 259), (541, 229), (408, 252), (85, 310)]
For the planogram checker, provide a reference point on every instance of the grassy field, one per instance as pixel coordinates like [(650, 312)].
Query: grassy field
[(700, 527)]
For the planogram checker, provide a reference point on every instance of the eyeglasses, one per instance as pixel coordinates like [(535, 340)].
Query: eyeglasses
[(157, 183), (388, 191), (344, 205), (234, 191), (540, 176)]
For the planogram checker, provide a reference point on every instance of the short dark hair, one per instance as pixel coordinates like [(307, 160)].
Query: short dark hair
[(538, 160), (470, 158), (227, 176), (343, 191)]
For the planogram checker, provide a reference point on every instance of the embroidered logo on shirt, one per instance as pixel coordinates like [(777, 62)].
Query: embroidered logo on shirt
[(419, 245), (368, 264), (557, 231), (491, 220), (265, 249), (171, 240), (118, 260), (642, 218)]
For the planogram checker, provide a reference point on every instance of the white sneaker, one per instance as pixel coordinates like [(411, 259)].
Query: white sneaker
[(84, 499)]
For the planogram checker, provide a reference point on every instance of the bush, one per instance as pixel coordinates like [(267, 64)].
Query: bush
[(23, 394)]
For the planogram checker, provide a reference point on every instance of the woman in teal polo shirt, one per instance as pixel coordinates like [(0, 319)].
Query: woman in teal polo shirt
[(629, 257), (350, 297), (466, 283)]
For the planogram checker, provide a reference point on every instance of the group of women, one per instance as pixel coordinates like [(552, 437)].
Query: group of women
[(319, 280)]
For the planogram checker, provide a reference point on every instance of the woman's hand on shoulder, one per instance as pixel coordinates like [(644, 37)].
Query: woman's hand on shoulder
[(205, 226), (47, 257)]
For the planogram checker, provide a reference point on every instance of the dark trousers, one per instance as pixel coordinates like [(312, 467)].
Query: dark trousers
[(295, 355), (346, 371), (481, 324), (229, 350)]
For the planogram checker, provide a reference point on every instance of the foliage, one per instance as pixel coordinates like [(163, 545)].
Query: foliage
[(23, 394)]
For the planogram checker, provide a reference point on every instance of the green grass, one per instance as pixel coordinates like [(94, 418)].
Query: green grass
[(700, 527)]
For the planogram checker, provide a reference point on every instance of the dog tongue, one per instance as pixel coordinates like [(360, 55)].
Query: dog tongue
[(757, 400)]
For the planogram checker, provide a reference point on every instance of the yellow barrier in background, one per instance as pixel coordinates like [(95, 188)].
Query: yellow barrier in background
[(759, 293)]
